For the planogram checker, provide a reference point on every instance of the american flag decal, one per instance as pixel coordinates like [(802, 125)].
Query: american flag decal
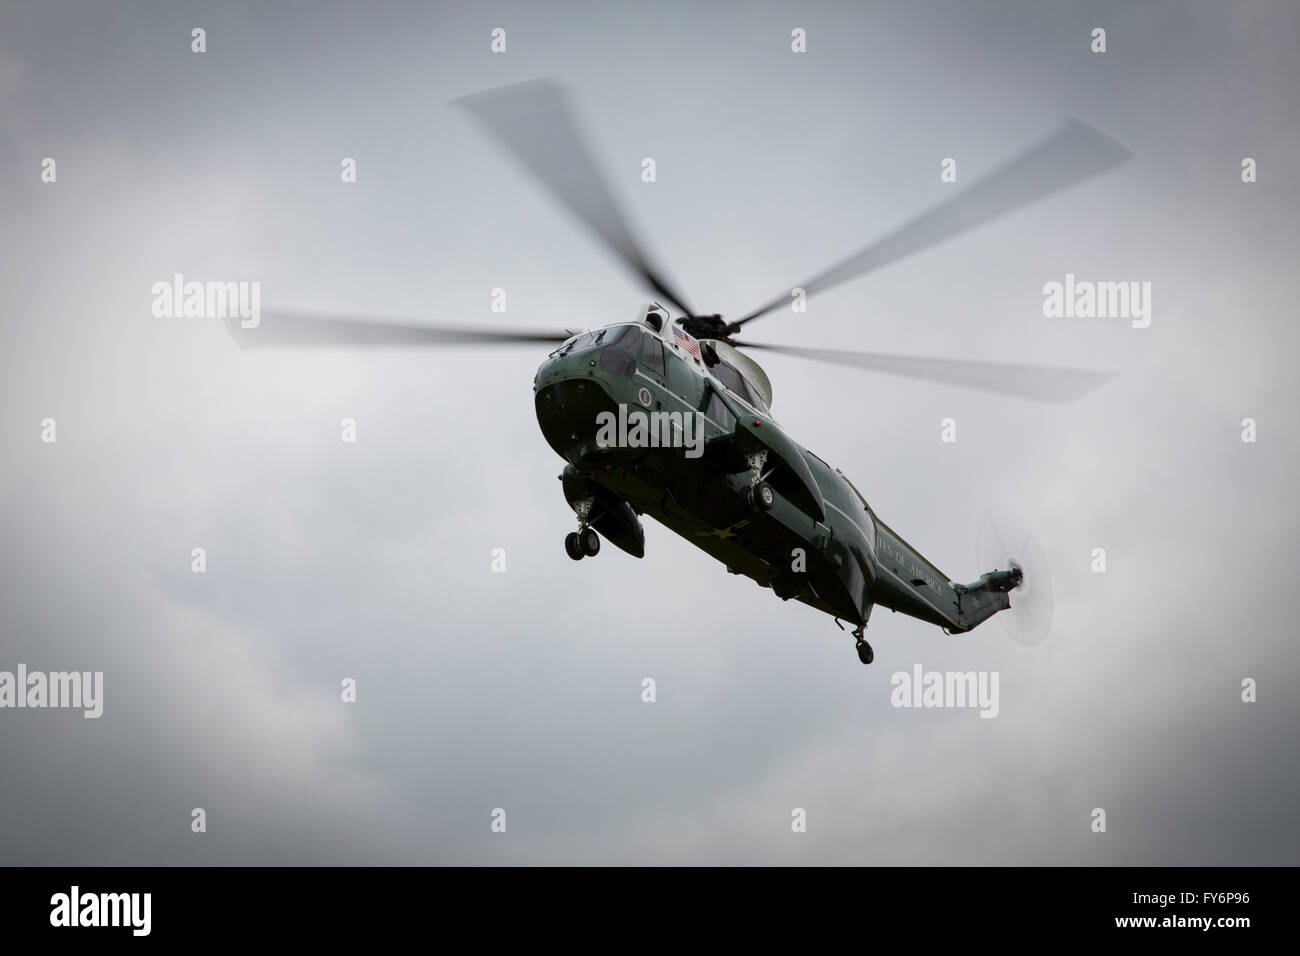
[(686, 342)]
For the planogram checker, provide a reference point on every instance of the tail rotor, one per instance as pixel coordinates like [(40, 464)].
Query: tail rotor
[(1006, 542)]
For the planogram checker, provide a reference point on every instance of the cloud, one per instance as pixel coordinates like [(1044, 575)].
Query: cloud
[(522, 690)]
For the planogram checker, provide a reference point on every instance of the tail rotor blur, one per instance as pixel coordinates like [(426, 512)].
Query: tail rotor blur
[(1005, 541)]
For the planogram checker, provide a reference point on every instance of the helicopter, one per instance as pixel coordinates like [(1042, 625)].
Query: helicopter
[(669, 416)]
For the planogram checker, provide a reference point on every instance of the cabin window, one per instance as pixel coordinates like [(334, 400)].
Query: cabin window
[(652, 353), (729, 377), (735, 382)]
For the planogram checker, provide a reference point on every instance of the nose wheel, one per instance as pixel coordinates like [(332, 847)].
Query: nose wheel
[(582, 544), (571, 546)]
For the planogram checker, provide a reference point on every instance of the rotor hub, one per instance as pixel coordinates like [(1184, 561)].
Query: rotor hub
[(707, 326)]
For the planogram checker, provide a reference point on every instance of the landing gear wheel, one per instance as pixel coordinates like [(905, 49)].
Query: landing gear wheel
[(589, 542), (760, 496), (865, 653), (572, 547)]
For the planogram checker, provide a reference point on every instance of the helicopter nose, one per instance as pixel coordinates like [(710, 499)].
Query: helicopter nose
[(554, 369), (568, 399), (568, 411)]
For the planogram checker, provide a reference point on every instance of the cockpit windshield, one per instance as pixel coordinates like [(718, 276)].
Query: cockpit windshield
[(576, 342), (593, 338), (628, 336), (621, 345)]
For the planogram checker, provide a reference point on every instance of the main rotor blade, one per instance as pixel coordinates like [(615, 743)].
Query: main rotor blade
[(533, 122), (1039, 382), (299, 329), (1073, 154)]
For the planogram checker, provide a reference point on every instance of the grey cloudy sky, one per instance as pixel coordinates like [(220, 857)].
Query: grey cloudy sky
[(522, 690)]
